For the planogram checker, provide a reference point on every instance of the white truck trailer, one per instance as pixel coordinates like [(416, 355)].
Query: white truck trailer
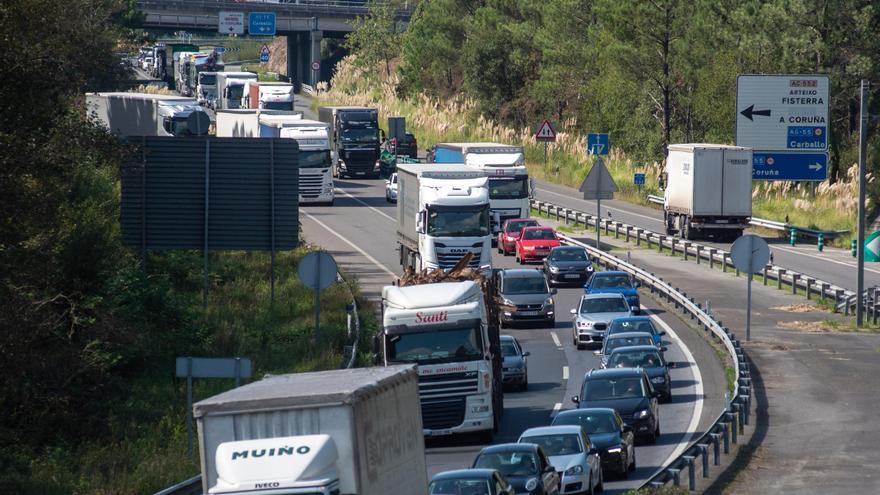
[(508, 176), (268, 96), (443, 214), (445, 329), (355, 431), (144, 114), (708, 190), (230, 89)]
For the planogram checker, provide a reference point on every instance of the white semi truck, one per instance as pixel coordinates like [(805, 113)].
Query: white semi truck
[(230, 88), (354, 431), (508, 176), (268, 96), (207, 88), (708, 190), (442, 215), (144, 114), (445, 329)]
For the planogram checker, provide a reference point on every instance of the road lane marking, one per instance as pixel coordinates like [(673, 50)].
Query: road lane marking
[(653, 219), (556, 408), (556, 339), (698, 389), (389, 217), (565, 372), (353, 245), (799, 253)]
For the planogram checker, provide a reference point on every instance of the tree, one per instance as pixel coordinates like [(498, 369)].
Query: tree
[(376, 37)]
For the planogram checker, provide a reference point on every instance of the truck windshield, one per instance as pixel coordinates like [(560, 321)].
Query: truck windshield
[(278, 105), (439, 346), (360, 135), (458, 221), (235, 92), (209, 79), (517, 188), (314, 159)]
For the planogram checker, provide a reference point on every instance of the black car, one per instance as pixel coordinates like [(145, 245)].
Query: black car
[(650, 359), (524, 465), (408, 146), (482, 481), (629, 392), (609, 434), (525, 296), (568, 265)]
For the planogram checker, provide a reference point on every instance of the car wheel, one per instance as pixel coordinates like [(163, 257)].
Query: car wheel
[(500, 248), (632, 464), (525, 385), (551, 322), (600, 487)]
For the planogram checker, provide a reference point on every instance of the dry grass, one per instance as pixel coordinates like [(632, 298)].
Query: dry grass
[(153, 90)]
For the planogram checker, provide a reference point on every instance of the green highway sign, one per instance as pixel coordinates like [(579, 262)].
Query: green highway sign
[(872, 247)]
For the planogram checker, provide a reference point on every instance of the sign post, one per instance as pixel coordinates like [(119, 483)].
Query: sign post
[(749, 254), (785, 120), (639, 180), (317, 271), (546, 133), (598, 185)]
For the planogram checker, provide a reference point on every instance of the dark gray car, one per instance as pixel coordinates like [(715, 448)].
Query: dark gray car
[(525, 296), (568, 265), (515, 366)]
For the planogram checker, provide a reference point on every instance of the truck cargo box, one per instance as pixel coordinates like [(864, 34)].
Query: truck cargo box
[(709, 180)]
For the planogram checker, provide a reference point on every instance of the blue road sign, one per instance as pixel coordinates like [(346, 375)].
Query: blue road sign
[(597, 144), (789, 166), (264, 58), (639, 179), (261, 23), (219, 49)]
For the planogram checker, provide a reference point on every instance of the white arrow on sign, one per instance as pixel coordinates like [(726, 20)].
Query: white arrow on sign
[(815, 166), (874, 246)]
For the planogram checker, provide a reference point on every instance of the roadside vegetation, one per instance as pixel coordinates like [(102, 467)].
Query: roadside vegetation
[(89, 335), (648, 73)]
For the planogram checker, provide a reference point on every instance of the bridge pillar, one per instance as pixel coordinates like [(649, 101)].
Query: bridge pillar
[(316, 37)]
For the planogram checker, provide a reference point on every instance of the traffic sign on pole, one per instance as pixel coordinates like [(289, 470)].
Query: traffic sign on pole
[(749, 254), (545, 132), (598, 185), (316, 65), (230, 23), (872, 247), (317, 270), (597, 143), (261, 24), (780, 165), (264, 54)]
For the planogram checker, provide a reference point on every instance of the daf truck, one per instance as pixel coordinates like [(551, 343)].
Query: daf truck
[(355, 138), (449, 331), (354, 431), (144, 114), (442, 215), (708, 191), (230, 88), (268, 96), (508, 176)]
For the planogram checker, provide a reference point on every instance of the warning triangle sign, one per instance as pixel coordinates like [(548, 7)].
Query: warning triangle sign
[(545, 132), (598, 184)]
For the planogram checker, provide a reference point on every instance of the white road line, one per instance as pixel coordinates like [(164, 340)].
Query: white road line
[(698, 390), (556, 408), (565, 372), (800, 253), (556, 339), (377, 210), (655, 219), (353, 245)]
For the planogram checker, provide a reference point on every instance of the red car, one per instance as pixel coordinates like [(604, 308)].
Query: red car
[(535, 243), (509, 233)]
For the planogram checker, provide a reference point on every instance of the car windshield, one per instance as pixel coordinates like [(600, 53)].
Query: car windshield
[(568, 255), (613, 388), (604, 305), (612, 343), (559, 444), (315, 159), (631, 326), (508, 188), (611, 282), (442, 345), (538, 234), (524, 285), (634, 359), (360, 135), (466, 222), (460, 487), (515, 227), (509, 463), (508, 348), (594, 424)]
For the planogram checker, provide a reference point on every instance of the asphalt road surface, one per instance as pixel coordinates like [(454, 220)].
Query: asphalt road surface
[(360, 231)]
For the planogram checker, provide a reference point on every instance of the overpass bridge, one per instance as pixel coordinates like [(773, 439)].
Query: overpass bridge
[(304, 22)]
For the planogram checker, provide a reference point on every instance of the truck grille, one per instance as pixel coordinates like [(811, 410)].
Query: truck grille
[(443, 398), (310, 185), (438, 414), (448, 260), (360, 161)]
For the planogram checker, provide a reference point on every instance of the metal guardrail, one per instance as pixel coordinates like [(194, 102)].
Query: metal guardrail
[(774, 225), (732, 419), (793, 280)]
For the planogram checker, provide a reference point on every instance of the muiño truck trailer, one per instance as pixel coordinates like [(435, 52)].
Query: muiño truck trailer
[(442, 215), (708, 190), (337, 432)]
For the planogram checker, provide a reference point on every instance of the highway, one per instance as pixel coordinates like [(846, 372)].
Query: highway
[(360, 231), (833, 265)]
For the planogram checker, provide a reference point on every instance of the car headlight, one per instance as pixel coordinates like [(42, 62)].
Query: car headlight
[(658, 379), (614, 450), (590, 268), (341, 163), (507, 302), (574, 470), (532, 484), (641, 414), (548, 301), (554, 269), (529, 248)]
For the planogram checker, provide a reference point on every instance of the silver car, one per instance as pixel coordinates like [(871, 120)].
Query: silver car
[(572, 455), (391, 188), (592, 316), (514, 365)]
